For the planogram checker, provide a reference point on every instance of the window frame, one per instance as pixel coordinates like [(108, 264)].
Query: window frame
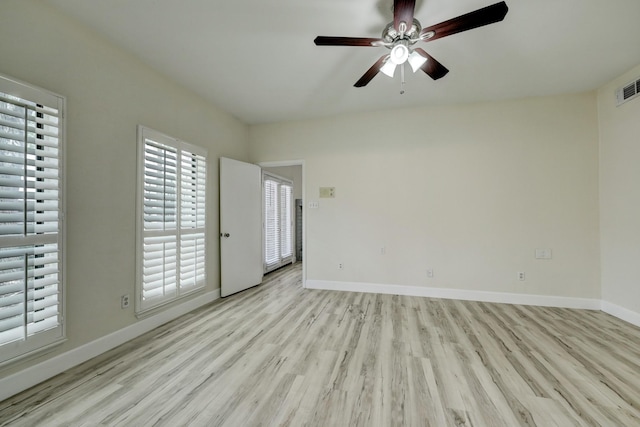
[(43, 341), (144, 134)]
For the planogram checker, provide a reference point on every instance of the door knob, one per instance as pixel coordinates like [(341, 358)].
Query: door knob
[(225, 235)]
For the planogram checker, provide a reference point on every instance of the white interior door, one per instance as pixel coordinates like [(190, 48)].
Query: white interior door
[(240, 226)]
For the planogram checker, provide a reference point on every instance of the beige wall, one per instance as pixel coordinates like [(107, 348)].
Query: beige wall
[(468, 191), (108, 93), (620, 195)]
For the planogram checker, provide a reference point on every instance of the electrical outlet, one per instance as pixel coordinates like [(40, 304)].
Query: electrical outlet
[(521, 276), (429, 273), (383, 250), (341, 266), (124, 301)]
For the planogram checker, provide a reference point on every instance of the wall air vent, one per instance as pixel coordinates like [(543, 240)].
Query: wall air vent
[(628, 92)]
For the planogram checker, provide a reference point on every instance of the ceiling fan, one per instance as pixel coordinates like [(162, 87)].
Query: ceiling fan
[(400, 35)]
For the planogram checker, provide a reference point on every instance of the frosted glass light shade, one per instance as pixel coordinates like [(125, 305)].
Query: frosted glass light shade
[(416, 61), (399, 54), (389, 68)]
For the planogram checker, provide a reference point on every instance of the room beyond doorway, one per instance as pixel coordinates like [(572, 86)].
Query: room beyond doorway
[(293, 171)]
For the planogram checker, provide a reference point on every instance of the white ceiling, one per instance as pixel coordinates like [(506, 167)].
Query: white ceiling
[(256, 58)]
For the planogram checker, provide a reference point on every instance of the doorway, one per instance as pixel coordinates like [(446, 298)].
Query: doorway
[(294, 172)]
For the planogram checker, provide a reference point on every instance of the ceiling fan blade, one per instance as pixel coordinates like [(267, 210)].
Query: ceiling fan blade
[(371, 72), (403, 12), (478, 18), (346, 41), (432, 67)]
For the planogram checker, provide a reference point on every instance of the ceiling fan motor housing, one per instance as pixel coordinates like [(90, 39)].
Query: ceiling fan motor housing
[(390, 35)]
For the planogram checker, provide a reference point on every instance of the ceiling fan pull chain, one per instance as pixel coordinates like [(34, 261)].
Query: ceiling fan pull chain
[(402, 79)]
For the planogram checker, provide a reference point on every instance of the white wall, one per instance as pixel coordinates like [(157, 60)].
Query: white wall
[(108, 93), (620, 195), (469, 191)]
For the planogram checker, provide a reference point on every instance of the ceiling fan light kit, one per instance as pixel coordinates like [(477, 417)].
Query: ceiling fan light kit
[(399, 38), (399, 53)]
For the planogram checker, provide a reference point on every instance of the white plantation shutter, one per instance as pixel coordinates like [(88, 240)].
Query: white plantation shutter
[(286, 235), (159, 268), (271, 223), (192, 272), (192, 205), (30, 219), (160, 220), (278, 236), (160, 186), (172, 226)]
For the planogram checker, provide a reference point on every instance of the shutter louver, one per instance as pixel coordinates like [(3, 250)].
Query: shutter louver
[(173, 220), (30, 222)]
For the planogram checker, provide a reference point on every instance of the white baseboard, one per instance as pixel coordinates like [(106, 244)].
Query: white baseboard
[(484, 296), (22, 380), (621, 313)]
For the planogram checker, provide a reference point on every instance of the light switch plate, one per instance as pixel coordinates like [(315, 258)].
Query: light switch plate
[(543, 254)]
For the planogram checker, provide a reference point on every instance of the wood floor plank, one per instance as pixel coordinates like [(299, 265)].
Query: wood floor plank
[(435, 407), (547, 412), (281, 355)]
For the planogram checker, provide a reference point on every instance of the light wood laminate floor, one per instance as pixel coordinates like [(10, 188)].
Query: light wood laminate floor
[(278, 354)]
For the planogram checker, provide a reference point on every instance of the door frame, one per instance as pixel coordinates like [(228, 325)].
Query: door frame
[(300, 163)]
